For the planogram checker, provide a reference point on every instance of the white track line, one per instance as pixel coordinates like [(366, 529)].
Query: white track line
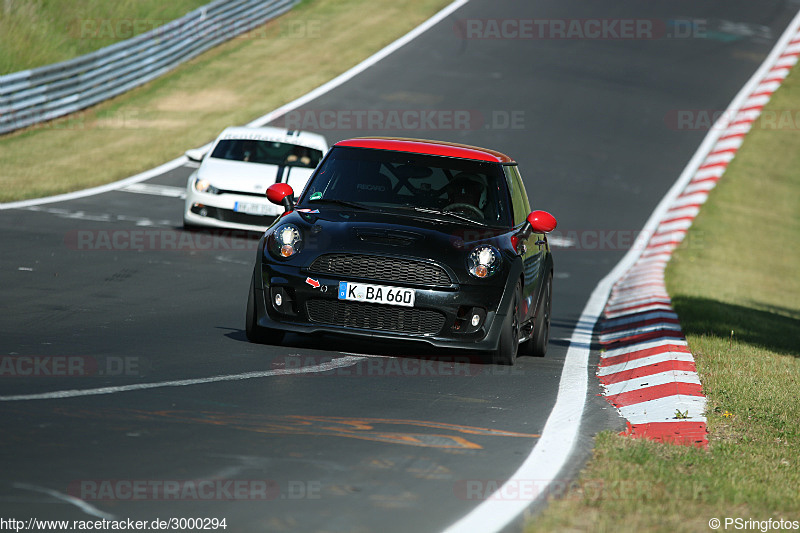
[(361, 67), (560, 433), (664, 410), (72, 500), (727, 139), (323, 367), (152, 173), (156, 190), (656, 359), (272, 115)]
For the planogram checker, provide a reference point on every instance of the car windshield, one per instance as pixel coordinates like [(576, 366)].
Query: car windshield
[(428, 185), (267, 153)]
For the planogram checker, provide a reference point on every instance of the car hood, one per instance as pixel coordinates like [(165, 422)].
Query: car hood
[(333, 230), (251, 178)]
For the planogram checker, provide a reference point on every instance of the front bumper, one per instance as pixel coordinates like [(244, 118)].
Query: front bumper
[(220, 211), (441, 316)]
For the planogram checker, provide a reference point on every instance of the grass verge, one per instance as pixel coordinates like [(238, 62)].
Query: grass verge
[(736, 290), (34, 33), (231, 84)]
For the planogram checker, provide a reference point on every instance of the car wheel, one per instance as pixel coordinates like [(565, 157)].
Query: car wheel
[(506, 353), (541, 328), (254, 332)]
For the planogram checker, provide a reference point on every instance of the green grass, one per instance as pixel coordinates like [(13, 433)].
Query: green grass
[(231, 84), (34, 33), (736, 289)]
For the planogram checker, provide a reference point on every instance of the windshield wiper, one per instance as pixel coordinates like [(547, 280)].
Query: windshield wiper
[(450, 214), (344, 203)]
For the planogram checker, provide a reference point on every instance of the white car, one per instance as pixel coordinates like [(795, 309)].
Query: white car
[(228, 190)]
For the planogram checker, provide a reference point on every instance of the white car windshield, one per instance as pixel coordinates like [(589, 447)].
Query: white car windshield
[(267, 153)]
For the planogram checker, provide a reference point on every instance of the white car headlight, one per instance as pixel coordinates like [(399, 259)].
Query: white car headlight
[(483, 261), (286, 241)]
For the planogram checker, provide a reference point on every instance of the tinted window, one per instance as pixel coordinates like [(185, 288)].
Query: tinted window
[(519, 198), (267, 152), (384, 178)]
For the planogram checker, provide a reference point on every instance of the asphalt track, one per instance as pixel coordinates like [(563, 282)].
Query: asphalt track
[(391, 439)]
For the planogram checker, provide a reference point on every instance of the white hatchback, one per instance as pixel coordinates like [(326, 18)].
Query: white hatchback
[(228, 189)]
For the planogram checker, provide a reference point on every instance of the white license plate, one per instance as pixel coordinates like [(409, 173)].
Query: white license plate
[(252, 209), (377, 294)]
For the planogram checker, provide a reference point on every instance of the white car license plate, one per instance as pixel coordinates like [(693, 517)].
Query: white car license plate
[(252, 209), (377, 294)]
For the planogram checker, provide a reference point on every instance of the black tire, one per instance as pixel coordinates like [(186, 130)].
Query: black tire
[(506, 352), (541, 329), (254, 332)]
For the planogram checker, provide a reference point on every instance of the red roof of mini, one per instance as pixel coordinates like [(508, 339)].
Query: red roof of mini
[(423, 146)]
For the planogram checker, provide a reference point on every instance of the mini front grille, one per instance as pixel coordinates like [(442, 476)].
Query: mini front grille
[(379, 268), (375, 316)]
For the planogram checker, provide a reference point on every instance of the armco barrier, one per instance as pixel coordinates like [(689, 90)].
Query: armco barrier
[(32, 96)]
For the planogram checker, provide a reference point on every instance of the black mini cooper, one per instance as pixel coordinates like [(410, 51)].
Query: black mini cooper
[(408, 239)]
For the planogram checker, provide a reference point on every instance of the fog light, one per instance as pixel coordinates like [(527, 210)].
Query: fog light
[(476, 319), (203, 212), (278, 299)]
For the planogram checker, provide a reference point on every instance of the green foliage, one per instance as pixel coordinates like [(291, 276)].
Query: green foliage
[(34, 33)]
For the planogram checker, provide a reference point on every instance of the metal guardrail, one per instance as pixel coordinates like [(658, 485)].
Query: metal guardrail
[(32, 96)]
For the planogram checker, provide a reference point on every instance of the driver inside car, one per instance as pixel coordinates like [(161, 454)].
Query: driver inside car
[(466, 194)]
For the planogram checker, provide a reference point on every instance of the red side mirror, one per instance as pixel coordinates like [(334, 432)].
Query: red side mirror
[(277, 192), (541, 221), (281, 194)]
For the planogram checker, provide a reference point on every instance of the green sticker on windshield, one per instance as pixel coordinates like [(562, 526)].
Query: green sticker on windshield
[(316, 196)]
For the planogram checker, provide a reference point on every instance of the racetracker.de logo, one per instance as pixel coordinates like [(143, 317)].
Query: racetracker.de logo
[(120, 29), (174, 490), (532, 489), (45, 366), (396, 366), (377, 120), (159, 240), (722, 119), (580, 29)]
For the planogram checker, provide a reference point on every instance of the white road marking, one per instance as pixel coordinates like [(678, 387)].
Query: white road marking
[(561, 431), (102, 217), (662, 326), (156, 190), (224, 259), (639, 346), (361, 67), (74, 393), (665, 410), (667, 377), (144, 176), (642, 362), (561, 242), (77, 502)]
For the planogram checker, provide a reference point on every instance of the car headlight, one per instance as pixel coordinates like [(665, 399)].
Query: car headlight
[(483, 261), (205, 186), (286, 241)]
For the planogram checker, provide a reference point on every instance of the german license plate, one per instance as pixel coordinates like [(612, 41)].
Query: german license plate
[(377, 294), (252, 209)]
